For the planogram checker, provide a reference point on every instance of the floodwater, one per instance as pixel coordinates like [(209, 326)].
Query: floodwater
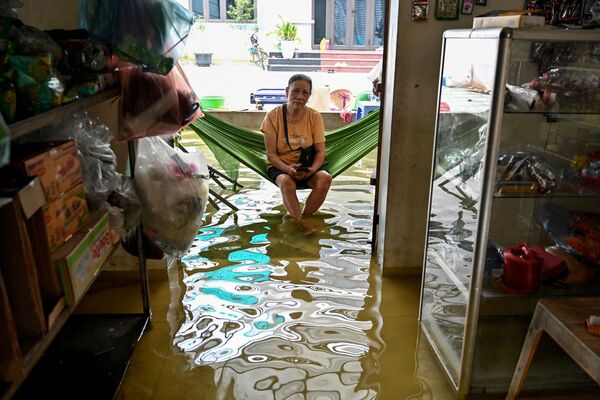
[(260, 310), (278, 313)]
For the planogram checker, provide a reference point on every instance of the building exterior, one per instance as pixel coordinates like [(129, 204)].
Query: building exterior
[(346, 24)]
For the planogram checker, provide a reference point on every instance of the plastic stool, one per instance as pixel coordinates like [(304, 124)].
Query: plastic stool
[(366, 107)]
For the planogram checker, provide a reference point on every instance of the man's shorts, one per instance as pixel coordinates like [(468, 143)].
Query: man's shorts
[(303, 184)]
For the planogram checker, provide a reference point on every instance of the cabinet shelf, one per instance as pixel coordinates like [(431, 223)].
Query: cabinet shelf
[(561, 195), (554, 114), (484, 196), (37, 350), (22, 128)]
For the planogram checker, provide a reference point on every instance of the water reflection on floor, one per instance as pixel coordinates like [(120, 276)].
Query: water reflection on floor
[(279, 313), (261, 310)]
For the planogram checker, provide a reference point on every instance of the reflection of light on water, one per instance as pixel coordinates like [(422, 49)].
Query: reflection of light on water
[(278, 313)]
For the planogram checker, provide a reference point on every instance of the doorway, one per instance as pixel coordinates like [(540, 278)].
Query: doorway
[(349, 24)]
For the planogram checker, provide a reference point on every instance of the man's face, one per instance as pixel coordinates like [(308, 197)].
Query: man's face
[(298, 93)]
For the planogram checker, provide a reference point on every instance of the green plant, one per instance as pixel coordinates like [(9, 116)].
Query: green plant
[(199, 25), (286, 31), (241, 11)]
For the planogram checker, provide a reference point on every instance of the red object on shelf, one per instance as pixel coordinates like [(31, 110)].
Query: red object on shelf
[(552, 265), (522, 269)]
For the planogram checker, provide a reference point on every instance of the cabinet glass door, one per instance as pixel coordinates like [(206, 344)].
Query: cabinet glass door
[(468, 73)]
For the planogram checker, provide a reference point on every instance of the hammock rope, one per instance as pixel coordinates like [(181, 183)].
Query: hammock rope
[(232, 144)]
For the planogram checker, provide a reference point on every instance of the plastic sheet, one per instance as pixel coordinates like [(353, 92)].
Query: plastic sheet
[(8, 8), (153, 104), (151, 33), (173, 189), (125, 210), (97, 159), (4, 143)]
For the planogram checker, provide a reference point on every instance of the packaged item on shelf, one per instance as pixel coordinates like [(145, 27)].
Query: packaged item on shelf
[(32, 41), (38, 88), (173, 189), (524, 173), (509, 21), (553, 267), (156, 40), (88, 55), (79, 260), (8, 100), (576, 89), (153, 104), (578, 272), (522, 272), (592, 324), (56, 163), (519, 98), (65, 215)]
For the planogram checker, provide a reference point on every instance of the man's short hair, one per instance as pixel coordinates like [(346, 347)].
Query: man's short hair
[(300, 77)]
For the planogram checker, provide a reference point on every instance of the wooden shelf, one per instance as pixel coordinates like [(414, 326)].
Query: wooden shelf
[(31, 124), (35, 352)]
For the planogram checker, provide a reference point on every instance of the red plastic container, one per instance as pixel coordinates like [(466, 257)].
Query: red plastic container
[(552, 265), (522, 269)]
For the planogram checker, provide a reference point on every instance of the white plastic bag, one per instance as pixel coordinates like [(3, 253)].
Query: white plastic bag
[(173, 189)]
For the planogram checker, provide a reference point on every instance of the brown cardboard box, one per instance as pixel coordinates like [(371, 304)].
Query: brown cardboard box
[(11, 366), (79, 260), (65, 215), (19, 270), (509, 21), (30, 195), (55, 163)]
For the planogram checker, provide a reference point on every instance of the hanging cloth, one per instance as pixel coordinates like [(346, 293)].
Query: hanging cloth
[(232, 144)]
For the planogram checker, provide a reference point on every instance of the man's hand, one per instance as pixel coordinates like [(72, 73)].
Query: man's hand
[(292, 170), (304, 174)]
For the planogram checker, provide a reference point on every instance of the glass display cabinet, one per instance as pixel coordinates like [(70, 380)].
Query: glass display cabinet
[(514, 209)]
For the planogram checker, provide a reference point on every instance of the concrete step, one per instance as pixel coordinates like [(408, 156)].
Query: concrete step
[(308, 67)]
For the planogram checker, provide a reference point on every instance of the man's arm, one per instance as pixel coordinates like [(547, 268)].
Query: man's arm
[(271, 148)]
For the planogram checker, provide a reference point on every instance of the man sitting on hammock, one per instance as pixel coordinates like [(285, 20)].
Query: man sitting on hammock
[(294, 137)]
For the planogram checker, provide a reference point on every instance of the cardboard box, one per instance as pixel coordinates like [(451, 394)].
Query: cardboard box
[(11, 365), (79, 260), (30, 195), (18, 266), (55, 163), (509, 21), (65, 215)]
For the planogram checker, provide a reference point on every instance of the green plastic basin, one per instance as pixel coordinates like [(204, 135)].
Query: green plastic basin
[(212, 101)]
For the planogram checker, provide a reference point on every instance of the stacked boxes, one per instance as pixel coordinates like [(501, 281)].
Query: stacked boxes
[(56, 164)]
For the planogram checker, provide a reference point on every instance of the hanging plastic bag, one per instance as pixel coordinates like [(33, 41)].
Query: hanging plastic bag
[(151, 33), (173, 189), (153, 104)]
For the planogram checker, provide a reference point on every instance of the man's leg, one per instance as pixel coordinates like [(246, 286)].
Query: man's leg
[(287, 185), (320, 182)]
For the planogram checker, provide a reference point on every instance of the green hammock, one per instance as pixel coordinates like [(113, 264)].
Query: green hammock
[(232, 144)]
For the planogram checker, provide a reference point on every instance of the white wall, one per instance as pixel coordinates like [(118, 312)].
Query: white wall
[(409, 117), (299, 12)]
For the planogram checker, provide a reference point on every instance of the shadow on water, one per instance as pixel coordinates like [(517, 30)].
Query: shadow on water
[(278, 310)]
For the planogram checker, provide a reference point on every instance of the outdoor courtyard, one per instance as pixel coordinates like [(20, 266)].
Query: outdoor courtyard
[(236, 80)]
